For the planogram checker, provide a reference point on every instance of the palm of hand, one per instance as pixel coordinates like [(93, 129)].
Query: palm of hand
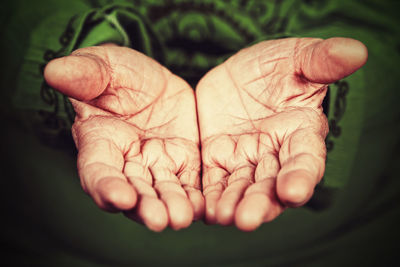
[(139, 137), (261, 125), (263, 131)]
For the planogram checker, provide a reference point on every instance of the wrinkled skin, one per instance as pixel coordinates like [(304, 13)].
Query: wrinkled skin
[(261, 126), (136, 133)]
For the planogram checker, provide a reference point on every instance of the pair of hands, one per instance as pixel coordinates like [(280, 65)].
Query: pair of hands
[(257, 118)]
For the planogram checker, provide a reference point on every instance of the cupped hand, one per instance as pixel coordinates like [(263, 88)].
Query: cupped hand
[(263, 128), (136, 132)]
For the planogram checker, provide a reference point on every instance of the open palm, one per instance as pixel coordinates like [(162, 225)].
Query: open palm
[(136, 133), (262, 126)]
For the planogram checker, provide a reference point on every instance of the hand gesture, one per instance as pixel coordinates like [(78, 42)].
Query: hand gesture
[(136, 133), (263, 128)]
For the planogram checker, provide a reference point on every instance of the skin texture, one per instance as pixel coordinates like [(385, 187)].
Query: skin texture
[(136, 133), (262, 126), (260, 119)]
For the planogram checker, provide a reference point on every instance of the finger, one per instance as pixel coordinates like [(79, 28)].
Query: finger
[(88, 72), (267, 167), (302, 158), (81, 76), (259, 204), (330, 60), (168, 186), (251, 215), (214, 180), (135, 169), (197, 200), (100, 165), (101, 157), (190, 181), (186, 155), (149, 210), (238, 182)]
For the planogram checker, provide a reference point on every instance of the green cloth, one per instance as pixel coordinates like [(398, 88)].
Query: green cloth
[(351, 220)]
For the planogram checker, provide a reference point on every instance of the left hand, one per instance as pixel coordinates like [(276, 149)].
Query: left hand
[(136, 133)]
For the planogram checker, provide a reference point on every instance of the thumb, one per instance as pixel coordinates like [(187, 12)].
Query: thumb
[(82, 76), (333, 59)]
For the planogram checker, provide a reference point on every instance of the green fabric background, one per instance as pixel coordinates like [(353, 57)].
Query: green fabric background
[(47, 219)]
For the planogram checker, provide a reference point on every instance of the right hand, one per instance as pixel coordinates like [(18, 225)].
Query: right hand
[(263, 129)]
